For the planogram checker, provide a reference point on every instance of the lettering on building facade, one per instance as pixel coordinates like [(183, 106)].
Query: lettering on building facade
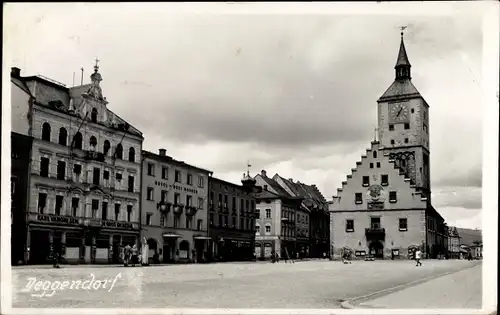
[(176, 187), (56, 219)]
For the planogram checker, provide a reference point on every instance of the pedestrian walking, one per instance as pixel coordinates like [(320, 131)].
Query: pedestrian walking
[(134, 255), (126, 255), (418, 255)]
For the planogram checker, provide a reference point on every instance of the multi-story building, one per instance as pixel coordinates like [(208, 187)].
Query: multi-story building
[(231, 219), (21, 144), (84, 177), (314, 211), (276, 219), (174, 208), (453, 243), (384, 206)]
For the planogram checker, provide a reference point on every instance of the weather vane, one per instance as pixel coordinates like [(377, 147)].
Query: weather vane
[(248, 168), (96, 63), (403, 28)]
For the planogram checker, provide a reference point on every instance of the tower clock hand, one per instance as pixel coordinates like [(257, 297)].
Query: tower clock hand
[(399, 111)]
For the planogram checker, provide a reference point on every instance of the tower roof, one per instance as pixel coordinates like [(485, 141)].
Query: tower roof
[(402, 56)]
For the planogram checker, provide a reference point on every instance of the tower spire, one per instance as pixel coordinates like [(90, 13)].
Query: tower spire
[(403, 65)]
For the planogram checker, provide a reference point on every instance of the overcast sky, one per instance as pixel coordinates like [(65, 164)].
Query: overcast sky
[(294, 94)]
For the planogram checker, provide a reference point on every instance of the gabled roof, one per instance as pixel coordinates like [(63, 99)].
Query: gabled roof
[(266, 194), (400, 89), (276, 187)]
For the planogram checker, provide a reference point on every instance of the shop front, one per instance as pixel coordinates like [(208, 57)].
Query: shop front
[(232, 245)]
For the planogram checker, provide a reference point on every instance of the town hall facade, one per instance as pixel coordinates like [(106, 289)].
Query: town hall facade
[(384, 207)]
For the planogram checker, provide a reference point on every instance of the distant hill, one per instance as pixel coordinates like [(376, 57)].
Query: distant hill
[(468, 236)]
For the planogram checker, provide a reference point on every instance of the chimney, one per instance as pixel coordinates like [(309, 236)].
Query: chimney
[(291, 179), (162, 152), (263, 173), (15, 72)]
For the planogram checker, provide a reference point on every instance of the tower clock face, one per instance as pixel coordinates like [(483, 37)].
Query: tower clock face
[(398, 113)]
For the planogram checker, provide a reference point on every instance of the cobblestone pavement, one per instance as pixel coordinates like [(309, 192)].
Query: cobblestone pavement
[(313, 284)]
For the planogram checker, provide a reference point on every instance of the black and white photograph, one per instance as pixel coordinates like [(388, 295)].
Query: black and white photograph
[(250, 158)]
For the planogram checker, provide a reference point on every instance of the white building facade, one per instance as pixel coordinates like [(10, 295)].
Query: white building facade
[(85, 175)]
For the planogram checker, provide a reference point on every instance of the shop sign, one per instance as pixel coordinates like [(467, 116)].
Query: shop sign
[(54, 219), (118, 225), (176, 187)]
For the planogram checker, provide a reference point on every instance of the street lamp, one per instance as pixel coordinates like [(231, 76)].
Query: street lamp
[(162, 205)]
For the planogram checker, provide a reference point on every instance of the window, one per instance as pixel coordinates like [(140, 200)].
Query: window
[(265, 187), (403, 224), (393, 196), (46, 132), (164, 172), (61, 170), (178, 176), (257, 229), (349, 225), (93, 115), (44, 167), (59, 205), (247, 203), (95, 207), (412, 110), (189, 179), (252, 206), (131, 155), (378, 164), (220, 220), (189, 223), (129, 212), (242, 205), (163, 220), (151, 169), (105, 176), (366, 181), (148, 218), (96, 176), (268, 213), (177, 222), (93, 143), (177, 198), (375, 223), (407, 126), (199, 225), (392, 141), (371, 165), (385, 180), (75, 202), (211, 218), (119, 151), (63, 136), (163, 195), (226, 220), (150, 193), (257, 213), (200, 203), (358, 198), (201, 181), (130, 183), (106, 147), (78, 141), (406, 140), (117, 211), (374, 154), (391, 127), (119, 177), (233, 203), (189, 201), (268, 229), (104, 214)]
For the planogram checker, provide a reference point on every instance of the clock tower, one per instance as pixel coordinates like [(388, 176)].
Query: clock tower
[(403, 125)]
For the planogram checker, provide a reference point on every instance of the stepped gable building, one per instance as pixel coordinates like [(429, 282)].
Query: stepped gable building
[(232, 219), (83, 200), (276, 219), (174, 209), (453, 243), (384, 206), (313, 218)]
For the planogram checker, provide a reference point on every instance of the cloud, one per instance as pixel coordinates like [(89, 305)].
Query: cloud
[(294, 94)]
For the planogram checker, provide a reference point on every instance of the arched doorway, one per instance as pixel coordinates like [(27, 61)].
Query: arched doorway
[(152, 249), (377, 249)]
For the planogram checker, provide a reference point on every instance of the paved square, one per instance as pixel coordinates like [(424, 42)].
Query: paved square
[(312, 284)]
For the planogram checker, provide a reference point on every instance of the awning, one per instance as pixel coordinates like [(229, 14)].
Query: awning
[(171, 235), (202, 238)]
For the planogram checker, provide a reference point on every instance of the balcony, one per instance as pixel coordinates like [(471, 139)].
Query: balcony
[(190, 210), (178, 208), (164, 206), (97, 156), (375, 233)]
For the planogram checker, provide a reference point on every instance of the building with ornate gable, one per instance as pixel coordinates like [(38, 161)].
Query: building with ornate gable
[(85, 172), (384, 207)]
